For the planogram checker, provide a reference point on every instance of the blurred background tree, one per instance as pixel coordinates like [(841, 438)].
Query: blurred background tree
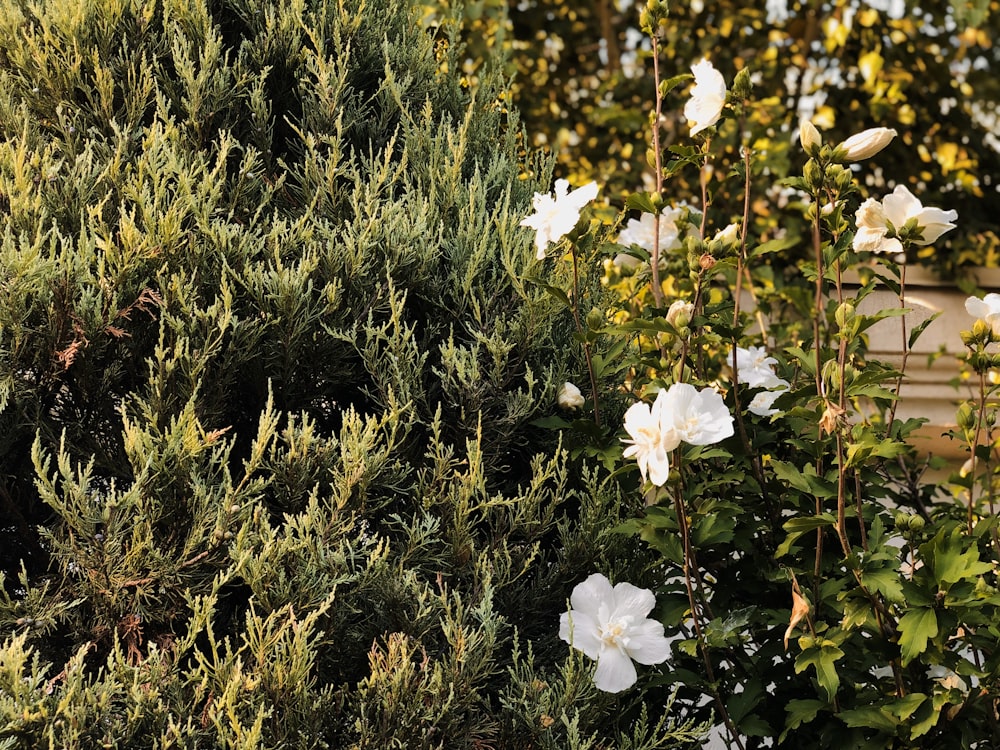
[(583, 83)]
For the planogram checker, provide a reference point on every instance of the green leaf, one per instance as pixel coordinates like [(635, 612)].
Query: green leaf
[(722, 632), (774, 246), (948, 562), (805, 481), (673, 82), (920, 327), (800, 712), (755, 726), (741, 704), (926, 717), (885, 581), (640, 202), (870, 717), (915, 628), (903, 708), (551, 423), (823, 659), (553, 291), (796, 527)]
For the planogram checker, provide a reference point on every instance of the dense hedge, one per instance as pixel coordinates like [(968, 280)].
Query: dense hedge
[(269, 365)]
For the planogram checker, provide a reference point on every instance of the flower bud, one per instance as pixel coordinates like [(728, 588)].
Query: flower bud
[(813, 175), (845, 314), (679, 314), (595, 319), (569, 397), (706, 262), (866, 144), (809, 137), (965, 416), (742, 85), (729, 235)]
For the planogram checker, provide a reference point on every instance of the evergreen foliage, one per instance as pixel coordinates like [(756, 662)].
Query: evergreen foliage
[(268, 371)]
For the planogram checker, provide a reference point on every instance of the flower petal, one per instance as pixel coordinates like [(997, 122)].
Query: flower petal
[(658, 466), (615, 671), (934, 222), (589, 595), (632, 600), (977, 308), (647, 644), (580, 631), (901, 205)]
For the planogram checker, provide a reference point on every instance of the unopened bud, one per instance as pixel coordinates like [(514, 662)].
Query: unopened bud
[(965, 416), (595, 319), (813, 175), (679, 314), (569, 397), (845, 314), (809, 137), (706, 262), (866, 144), (742, 85)]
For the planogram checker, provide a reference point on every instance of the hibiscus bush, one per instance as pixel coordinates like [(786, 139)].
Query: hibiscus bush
[(813, 591)]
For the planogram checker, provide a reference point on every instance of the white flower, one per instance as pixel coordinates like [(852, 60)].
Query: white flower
[(640, 231), (679, 413), (897, 208), (570, 397), (555, 217), (679, 313), (986, 309), (754, 367), (867, 143), (708, 97), (642, 423), (728, 236), (762, 404), (611, 626), (694, 417)]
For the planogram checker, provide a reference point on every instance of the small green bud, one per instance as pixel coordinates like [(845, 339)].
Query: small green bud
[(901, 520), (845, 314), (742, 85), (966, 416), (595, 319), (813, 175), (916, 523)]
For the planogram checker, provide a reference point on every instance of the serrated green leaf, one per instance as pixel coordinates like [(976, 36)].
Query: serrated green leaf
[(800, 712), (885, 581), (640, 202), (869, 717), (915, 628), (903, 708), (823, 659)]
